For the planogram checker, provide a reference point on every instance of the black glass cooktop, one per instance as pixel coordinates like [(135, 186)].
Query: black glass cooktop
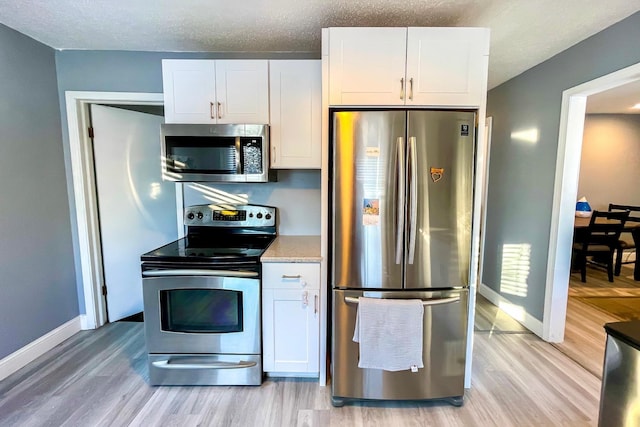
[(223, 248)]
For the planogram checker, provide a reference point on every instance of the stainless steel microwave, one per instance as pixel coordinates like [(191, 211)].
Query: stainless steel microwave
[(216, 152)]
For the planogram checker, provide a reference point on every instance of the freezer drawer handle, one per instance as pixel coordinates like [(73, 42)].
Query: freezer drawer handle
[(165, 364), (352, 300), (198, 272)]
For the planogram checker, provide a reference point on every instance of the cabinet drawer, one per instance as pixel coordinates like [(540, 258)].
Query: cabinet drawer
[(291, 275)]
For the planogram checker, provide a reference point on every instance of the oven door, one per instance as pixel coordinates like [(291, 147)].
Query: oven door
[(191, 312)]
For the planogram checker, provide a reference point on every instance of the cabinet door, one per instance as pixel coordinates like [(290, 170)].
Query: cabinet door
[(242, 91), (447, 66), (367, 66), (189, 88), (296, 114), (291, 330)]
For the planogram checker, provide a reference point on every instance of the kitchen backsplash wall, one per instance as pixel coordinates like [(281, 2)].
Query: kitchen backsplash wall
[(296, 194)]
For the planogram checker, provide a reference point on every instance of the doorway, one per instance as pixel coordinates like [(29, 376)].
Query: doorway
[(89, 262), (565, 195), (136, 208)]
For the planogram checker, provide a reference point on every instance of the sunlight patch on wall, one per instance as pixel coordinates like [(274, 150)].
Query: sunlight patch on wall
[(166, 174), (218, 196), (516, 265), (530, 136)]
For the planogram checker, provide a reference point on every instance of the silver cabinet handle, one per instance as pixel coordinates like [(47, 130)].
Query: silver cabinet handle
[(402, 88), (273, 148), (400, 171), (165, 364), (219, 110), (198, 272), (315, 304), (413, 198), (411, 88), (352, 300), (297, 276), (211, 113)]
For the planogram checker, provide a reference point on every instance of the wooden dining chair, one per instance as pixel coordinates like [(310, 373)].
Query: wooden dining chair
[(626, 240), (599, 241)]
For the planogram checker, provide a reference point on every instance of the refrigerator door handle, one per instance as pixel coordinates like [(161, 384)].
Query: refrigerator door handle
[(413, 198), (400, 174), (450, 300)]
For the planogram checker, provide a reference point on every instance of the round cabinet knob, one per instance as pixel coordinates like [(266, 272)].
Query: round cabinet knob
[(259, 215), (200, 215), (190, 215)]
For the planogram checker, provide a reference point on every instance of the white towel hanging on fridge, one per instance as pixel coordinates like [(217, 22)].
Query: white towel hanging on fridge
[(389, 332)]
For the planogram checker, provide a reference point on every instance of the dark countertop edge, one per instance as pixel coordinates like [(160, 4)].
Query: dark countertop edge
[(628, 331)]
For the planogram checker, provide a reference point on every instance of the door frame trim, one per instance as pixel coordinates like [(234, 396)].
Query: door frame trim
[(572, 117), (84, 193)]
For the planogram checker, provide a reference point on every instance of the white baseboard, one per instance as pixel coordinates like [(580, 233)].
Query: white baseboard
[(515, 311), (20, 358)]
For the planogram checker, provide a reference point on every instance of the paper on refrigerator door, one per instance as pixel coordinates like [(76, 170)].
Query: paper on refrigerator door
[(371, 212)]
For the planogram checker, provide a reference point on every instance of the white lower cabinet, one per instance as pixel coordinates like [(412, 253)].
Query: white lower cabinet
[(291, 318)]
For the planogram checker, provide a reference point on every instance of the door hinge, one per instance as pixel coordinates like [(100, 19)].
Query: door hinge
[(90, 130), (104, 290)]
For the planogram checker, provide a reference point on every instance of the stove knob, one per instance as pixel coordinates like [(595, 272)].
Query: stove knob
[(267, 216), (190, 215), (200, 215), (259, 215)]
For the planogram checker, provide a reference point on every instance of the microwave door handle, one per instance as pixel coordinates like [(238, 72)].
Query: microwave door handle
[(239, 156)]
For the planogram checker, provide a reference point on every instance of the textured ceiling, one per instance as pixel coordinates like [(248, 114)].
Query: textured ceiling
[(523, 32)]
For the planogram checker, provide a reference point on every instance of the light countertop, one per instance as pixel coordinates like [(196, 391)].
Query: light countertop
[(293, 249)]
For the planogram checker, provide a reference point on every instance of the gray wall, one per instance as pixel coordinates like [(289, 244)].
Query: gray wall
[(120, 71), (37, 278), (521, 174), (610, 161)]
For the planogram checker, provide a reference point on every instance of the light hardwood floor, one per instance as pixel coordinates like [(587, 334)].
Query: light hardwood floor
[(99, 378), (585, 338)]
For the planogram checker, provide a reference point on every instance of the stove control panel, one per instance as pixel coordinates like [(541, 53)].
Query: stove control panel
[(230, 216)]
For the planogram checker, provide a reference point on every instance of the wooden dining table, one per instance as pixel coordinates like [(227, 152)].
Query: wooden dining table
[(632, 227)]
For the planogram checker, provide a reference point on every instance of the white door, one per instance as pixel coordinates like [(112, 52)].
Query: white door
[(137, 209)]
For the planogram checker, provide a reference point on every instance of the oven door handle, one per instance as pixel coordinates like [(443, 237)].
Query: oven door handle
[(166, 364), (198, 272)]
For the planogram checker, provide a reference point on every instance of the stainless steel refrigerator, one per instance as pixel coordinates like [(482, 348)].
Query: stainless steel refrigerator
[(401, 216)]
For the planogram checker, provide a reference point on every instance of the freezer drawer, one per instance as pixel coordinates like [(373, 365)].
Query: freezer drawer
[(444, 341)]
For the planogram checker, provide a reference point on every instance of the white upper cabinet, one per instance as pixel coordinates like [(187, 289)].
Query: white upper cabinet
[(408, 66), (367, 66), (220, 91), (296, 114), (447, 66)]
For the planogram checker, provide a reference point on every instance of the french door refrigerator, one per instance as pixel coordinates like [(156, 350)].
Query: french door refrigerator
[(401, 215)]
